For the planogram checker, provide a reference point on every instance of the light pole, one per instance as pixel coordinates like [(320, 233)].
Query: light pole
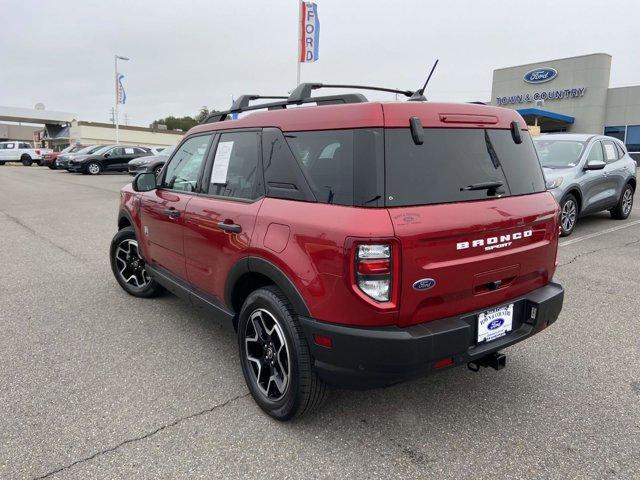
[(116, 58)]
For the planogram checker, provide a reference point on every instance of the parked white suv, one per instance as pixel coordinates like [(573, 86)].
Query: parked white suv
[(16, 151)]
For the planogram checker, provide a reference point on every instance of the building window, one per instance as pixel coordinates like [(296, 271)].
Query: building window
[(615, 132), (633, 138)]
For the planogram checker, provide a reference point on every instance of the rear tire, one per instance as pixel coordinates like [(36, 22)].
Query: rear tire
[(568, 215), (623, 209), (1, 163), (26, 160), (275, 357), (128, 266), (157, 171)]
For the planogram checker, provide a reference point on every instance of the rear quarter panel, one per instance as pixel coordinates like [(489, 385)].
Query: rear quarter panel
[(310, 242)]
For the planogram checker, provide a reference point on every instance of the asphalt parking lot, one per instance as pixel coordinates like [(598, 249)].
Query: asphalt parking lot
[(97, 384)]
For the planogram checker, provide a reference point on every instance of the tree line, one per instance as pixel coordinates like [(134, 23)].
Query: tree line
[(184, 123)]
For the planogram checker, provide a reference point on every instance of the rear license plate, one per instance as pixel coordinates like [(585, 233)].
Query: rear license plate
[(495, 323)]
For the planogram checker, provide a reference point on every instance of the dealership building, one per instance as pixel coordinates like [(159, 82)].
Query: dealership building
[(571, 95), (61, 129)]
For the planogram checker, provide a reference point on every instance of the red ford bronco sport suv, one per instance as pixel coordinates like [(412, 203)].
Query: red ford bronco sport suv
[(349, 242)]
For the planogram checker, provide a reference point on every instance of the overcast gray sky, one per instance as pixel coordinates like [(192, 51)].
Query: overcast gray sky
[(185, 54)]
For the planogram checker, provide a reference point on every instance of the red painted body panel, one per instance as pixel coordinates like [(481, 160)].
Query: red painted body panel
[(371, 115), (164, 235), (211, 252), (430, 236), (317, 256)]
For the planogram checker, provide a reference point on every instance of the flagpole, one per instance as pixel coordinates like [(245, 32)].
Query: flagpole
[(299, 40), (117, 99)]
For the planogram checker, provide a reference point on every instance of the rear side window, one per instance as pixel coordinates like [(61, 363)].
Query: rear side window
[(610, 151), (235, 170), (332, 159), (450, 160)]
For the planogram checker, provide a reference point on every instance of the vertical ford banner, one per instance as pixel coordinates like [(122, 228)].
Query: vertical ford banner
[(122, 96), (310, 28)]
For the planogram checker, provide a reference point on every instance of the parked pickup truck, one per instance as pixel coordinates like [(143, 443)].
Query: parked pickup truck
[(21, 152)]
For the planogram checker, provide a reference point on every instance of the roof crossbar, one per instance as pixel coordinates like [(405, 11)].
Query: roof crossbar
[(303, 91), (242, 104), (243, 100)]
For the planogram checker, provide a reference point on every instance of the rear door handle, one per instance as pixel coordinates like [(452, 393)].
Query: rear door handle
[(230, 227), (172, 212)]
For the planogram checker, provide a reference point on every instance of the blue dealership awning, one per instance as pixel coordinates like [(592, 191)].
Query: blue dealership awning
[(545, 114)]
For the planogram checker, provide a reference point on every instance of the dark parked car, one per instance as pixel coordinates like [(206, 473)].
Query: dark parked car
[(62, 162), (109, 158), (153, 163), (49, 159), (357, 244)]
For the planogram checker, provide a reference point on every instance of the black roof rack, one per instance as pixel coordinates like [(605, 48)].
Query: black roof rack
[(301, 95), (242, 104), (303, 91), (243, 101)]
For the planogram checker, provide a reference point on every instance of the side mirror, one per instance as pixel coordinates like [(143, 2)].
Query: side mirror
[(106, 155), (595, 165), (144, 182)]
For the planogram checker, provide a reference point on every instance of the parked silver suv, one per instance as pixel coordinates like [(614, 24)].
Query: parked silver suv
[(587, 174)]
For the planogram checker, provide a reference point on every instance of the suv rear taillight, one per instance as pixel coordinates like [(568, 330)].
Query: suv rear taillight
[(374, 271)]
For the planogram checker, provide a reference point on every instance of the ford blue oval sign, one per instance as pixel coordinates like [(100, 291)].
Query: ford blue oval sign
[(424, 284), (497, 323), (540, 75)]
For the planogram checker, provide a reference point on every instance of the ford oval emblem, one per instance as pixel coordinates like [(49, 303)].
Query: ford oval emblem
[(540, 75), (497, 323), (424, 284)]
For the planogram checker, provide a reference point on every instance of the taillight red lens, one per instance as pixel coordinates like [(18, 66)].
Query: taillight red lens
[(374, 267)]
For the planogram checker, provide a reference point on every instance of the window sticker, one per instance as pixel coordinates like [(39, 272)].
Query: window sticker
[(221, 163), (611, 151), (128, 151)]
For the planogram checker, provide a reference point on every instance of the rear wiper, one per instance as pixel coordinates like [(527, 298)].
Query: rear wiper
[(490, 187)]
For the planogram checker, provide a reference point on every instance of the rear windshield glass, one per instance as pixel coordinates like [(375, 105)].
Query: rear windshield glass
[(559, 153), (332, 159), (455, 165)]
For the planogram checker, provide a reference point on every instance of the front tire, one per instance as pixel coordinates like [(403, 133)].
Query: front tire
[(94, 168), (276, 361), (623, 209), (1, 163), (128, 266), (568, 215)]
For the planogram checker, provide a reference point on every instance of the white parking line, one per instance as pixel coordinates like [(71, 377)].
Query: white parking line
[(597, 234)]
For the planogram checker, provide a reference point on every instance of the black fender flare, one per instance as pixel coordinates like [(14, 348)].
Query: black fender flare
[(278, 277), (124, 214)]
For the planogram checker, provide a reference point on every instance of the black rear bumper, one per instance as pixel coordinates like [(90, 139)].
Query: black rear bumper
[(373, 357)]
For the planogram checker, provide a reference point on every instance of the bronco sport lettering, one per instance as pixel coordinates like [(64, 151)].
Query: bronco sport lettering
[(492, 243)]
